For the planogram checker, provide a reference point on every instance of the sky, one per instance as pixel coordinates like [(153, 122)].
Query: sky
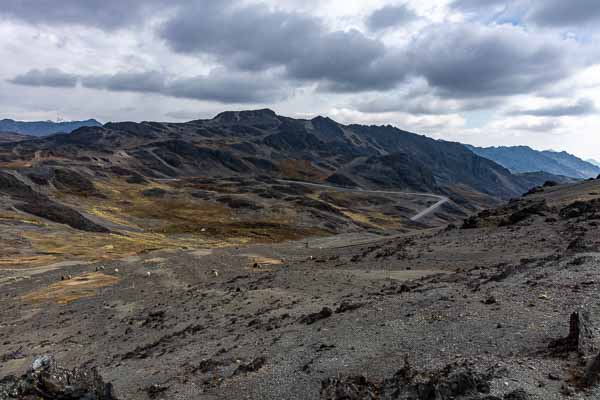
[(483, 72)]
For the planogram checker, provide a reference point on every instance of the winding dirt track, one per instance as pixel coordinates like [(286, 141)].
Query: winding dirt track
[(441, 199)]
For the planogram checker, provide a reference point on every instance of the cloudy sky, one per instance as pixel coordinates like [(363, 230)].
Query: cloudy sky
[(485, 72)]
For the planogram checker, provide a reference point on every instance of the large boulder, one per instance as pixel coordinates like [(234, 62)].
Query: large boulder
[(46, 380), (582, 336)]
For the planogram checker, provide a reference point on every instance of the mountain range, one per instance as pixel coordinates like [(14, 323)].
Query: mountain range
[(594, 162), (43, 128), (260, 142), (7, 137), (523, 159)]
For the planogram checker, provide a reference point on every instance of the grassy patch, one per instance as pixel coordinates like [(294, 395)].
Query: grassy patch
[(70, 290), (302, 170)]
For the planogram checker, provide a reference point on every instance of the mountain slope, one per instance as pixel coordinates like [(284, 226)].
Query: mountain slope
[(260, 142), (43, 128), (8, 137), (520, 159), (593, 162), (586, 169)]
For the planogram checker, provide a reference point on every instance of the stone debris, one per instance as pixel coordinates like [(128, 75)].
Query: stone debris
[(312, 318), (48, 381), (455, 382), (581, 338)]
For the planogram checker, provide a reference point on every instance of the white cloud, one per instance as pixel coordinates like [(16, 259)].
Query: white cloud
[(454, 65)]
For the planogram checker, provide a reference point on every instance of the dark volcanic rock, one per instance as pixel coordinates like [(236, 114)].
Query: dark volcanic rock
[(580, 245), (351, 388), (137, 180), (591, 376), (74, 182), (155, 192), (312, 318), (518, 394), (38, 179), (38, 204), (581, 338), (453, 383), (46, 380), (12, 186), (252, 366), (347, 306), (550, 184), (341, 180), (536, 208), (45, 208), (239, 203), (580, 209), (471, 223)]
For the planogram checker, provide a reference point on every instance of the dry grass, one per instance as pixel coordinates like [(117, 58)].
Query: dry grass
[(75, 245), (12, 216), (372, 218), (301, 169), (23, 261), (177, 221), (67, 291), (19, 164)]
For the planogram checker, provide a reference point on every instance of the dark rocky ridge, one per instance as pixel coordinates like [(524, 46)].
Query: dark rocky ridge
[(43, 128), (10, 137), (523, 159), (263, 143)]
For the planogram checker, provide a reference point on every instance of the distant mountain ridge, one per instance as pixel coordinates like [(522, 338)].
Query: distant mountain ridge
[(9, 137), (44, 128), (593, 162), (260, 142), (522, 159)]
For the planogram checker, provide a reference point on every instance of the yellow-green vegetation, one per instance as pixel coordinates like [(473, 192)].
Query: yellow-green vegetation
[(76, 245), (371, 217), (173, 220), (141, 224), (301, 169), (15, 217), (70, 290)]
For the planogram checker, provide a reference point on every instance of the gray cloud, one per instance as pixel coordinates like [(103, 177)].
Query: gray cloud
[(255, 37), (50, 77), (107, 14), (559, 13), (581, 107), (477, 5), (228, 87), (144, 82), (539, 126), (219, 86), (390, 16), (477, 61), (428, 104)]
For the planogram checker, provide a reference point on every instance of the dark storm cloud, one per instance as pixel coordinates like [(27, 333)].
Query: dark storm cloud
[(50, 77), (106, 14), (145, 82), (427, 104), (477, 61), (477, 5), (582, 107), (539, 126), (261, 51), (227, 87), (220, 85), (559, 13), (255, 37), (390, 16)]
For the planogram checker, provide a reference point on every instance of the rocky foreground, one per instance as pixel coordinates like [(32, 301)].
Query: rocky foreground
[(503, 307)]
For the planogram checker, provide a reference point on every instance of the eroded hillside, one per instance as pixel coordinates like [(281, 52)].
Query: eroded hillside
[(479, 310)]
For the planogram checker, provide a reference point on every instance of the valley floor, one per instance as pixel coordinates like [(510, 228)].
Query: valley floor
[(294, 320)]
